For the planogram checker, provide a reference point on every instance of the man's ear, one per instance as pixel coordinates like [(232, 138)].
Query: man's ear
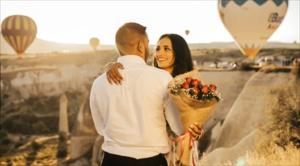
[(140, 46)]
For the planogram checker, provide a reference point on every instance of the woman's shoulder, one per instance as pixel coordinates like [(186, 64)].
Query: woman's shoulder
[(159, 72)]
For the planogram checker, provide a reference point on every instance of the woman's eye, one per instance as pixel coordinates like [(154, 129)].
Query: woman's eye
[(157, 49), (167, 49)]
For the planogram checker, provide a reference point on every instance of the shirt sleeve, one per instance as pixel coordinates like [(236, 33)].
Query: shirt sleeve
[(171, 112), (173, 117), (95, 111)]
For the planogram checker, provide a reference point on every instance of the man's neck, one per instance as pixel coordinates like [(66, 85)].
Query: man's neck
[(132, 53)]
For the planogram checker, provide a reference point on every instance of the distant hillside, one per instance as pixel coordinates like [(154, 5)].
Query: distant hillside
[(43, 46), (232, 45)]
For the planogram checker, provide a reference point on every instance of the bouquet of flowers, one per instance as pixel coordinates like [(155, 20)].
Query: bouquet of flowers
[(196, 102)]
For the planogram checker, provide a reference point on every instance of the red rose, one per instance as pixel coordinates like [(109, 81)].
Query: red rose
[(185, 85), (205, 89), (212, 87), (195, 83), (188, 80)]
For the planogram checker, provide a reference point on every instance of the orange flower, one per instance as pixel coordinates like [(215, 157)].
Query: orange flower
[(212, 87), (205, 89)]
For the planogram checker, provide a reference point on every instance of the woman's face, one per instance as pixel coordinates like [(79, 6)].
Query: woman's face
[(164, 54)]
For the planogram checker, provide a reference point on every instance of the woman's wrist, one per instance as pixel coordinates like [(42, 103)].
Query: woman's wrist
[(108, 66)]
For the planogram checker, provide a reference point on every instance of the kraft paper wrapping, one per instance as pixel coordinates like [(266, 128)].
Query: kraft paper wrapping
[(191, 111)]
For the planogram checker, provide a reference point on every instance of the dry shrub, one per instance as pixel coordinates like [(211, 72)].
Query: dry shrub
[(283, 127), (274, 155), (280, 136)]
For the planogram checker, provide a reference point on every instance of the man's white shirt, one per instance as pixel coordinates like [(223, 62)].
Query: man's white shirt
[(131, 116)]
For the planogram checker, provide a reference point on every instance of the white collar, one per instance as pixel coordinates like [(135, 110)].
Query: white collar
[(131, 59)]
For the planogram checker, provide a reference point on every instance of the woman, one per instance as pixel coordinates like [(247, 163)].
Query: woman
[(171, 54)]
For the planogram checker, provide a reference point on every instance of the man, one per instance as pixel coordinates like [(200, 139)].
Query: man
[(131, 116)]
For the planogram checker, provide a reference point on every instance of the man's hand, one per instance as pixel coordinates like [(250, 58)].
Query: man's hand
[(113, 75)]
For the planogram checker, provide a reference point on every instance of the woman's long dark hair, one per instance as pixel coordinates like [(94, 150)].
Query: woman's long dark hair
[(183, 59)]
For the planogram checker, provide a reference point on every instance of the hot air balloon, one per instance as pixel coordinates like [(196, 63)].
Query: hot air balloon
[(252, 22), (94, 42), (19, 32), (187, 32)]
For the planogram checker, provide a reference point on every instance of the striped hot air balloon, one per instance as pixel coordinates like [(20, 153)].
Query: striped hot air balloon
[(19, 32), (94, 42), (252, 22)]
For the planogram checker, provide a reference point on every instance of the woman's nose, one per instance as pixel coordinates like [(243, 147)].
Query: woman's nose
[(157, 54)]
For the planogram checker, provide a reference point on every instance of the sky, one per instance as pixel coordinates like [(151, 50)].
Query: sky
[(78, 21)]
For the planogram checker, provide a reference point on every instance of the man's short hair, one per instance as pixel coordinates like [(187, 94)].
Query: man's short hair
[(129, 34)]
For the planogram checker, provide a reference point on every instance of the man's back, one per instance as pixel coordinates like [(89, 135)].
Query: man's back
[(130, 116)]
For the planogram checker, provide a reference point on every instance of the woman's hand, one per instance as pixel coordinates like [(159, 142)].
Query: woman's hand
[(196, 131), (112, 73)]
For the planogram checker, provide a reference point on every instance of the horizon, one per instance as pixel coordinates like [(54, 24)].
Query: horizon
[(73, 27), (190, 43)]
